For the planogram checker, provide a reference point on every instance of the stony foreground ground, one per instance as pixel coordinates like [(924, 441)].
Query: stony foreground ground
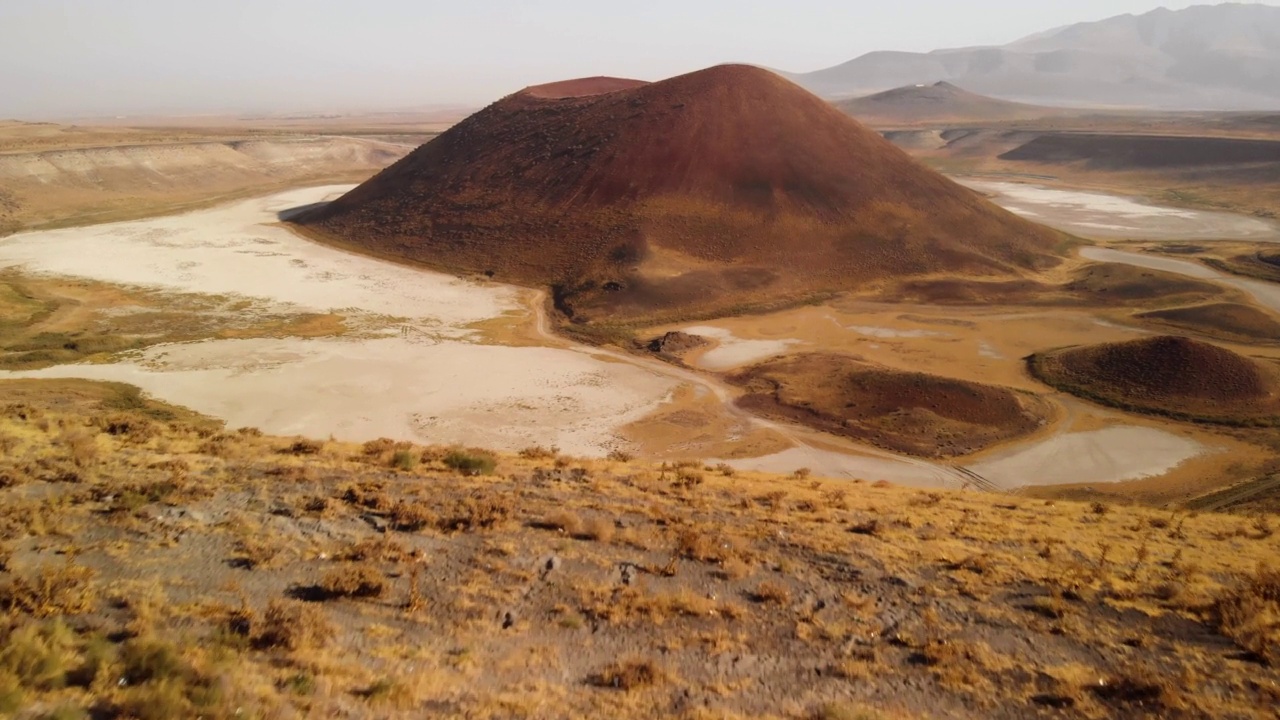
[(156, 565)]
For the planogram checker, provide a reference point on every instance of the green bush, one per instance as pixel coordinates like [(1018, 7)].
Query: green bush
[(404, 460), (471, 462)]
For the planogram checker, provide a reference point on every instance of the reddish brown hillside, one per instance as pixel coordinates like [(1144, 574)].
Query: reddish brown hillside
[(1167, 375), (720, 188)]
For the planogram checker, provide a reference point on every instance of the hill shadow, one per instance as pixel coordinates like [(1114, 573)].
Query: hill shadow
[(290, 214)]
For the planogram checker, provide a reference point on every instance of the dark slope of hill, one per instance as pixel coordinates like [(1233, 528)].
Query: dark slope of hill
[(1203, 57), (911, 413), (722, 188), (1174, 376), (1124, 152), (939, 102), (1226, 320)]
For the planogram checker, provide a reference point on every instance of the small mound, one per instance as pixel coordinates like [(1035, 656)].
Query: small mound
[(912, 413), (1229, 321), (940, 102), (1173, 376), (1113, 283), (582, 87), (674, 343)]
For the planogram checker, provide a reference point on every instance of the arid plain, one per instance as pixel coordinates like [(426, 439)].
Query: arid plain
[(895, 497), (408, 353)]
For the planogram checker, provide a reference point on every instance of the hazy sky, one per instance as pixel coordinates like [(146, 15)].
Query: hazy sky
[(67, 58)]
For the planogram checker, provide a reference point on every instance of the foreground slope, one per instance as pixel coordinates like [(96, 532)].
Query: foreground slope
[(156, 566), (717, 189)]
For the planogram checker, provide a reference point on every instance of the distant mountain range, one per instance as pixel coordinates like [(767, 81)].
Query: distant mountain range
[(1206, 57)]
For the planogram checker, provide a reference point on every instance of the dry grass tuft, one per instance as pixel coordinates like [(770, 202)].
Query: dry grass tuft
[(303, 446), (52, 590), (409, 516), (81, 446), (771, 592), (354, 581), (379, 548), (471, 462), (293, 625), (538, 452), (480, 510), (628, 675), (562, 520), (1248, 612), (599, 529)]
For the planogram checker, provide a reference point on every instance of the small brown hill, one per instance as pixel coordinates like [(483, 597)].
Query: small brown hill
[(907, 412), (1167, 375), (727, 187), (1230, 321), (940, 102)]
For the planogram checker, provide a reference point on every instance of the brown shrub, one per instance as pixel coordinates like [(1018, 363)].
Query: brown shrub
[(565, 521), (253, 552), (371, 495), (538, 452), (695, 545), (734, 569), (303, 446), (629, 675), (687, 479), (870, 527), (412, 516), (131, 428), (354, 581), (81, 446), (471, 462), (599, 529), (375, 549), (22, 411), (481, 510), (293, 625), (1248, 612), (292, 473), (1149, 690), (377, 448), (13, 475), (771, 592), (52, 590)]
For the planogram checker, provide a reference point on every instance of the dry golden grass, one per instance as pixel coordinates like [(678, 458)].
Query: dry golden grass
[(516, 593)]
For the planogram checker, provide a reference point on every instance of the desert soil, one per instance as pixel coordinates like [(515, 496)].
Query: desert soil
[(434, 358), (1264, 293), (417, 371), (1101, 215)]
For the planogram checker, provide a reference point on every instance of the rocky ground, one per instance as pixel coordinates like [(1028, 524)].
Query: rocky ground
[(155, 566)]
